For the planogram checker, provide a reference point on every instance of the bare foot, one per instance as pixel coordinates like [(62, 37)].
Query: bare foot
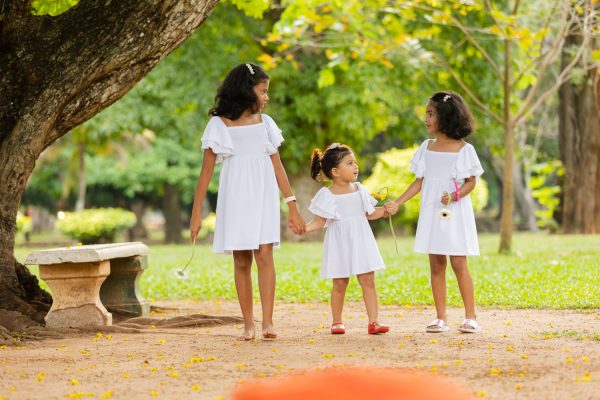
[(268, 332), (247, 334)]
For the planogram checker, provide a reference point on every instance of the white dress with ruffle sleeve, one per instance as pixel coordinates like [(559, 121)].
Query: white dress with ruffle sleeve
[(456, 235), (350, 247), (248, 197)]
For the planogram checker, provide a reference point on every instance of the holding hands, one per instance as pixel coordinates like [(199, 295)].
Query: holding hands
[(391, 207)]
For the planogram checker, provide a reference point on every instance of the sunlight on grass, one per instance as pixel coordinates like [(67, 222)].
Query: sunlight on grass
[(545, 271)]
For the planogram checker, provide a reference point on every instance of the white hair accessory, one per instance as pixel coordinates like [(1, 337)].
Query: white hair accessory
[(446, 97), (250, 68), (334, 146)]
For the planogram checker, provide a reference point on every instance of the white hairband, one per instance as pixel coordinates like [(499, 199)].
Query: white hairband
[(334, 146), (250, 68)]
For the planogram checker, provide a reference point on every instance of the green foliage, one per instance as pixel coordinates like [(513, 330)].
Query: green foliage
[(51, 7), (23, 223), (252, 8), (545, 189), (95, 225), (392, 170), (208, 225)]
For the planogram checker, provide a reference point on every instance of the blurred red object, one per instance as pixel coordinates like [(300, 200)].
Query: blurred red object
[(355, 383)]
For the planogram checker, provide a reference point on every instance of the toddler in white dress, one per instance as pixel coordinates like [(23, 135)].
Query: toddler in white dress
[(446, 171), (247, 223), (350, 248)]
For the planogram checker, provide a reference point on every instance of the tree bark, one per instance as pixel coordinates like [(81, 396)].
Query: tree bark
[(506, 218), (172, 211), (579, 146), (57, 72), (138, 231)]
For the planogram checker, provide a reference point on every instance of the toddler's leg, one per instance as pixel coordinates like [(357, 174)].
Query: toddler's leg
[(338, 292), (367, 283), (465, 284), (437, 264), (242, 262), (266, 287)]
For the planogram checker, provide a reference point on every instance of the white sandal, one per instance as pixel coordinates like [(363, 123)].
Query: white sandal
[(469, 326), (437, 326)]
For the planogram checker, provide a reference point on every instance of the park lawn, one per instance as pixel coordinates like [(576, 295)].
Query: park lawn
[(544, 271)]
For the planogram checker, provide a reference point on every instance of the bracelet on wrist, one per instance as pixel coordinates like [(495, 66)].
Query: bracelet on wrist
[(290, 198)]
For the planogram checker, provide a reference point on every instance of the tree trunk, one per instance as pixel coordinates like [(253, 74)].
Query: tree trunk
[(57, 72), (138, 231), (81, 184), (524, 199), (579, 145), (506, 219), (172, 211)]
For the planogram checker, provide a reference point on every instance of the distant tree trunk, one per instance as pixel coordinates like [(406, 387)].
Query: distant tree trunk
[(524, 199), (506, 218), (81, 184), (172, 211), (138, 231), (57, 72), (579, 145)]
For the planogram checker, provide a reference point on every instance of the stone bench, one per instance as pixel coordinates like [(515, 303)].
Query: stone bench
[(86, 279)]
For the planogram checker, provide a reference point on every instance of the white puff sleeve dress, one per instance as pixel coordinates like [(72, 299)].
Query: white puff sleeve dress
[(350, 247), (457, 235), (248, 196)]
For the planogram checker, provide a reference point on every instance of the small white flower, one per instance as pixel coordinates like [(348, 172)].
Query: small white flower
[(446, 98), (252, 69), (445, 213)]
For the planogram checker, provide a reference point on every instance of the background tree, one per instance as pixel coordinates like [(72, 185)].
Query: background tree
[(513, 44), (57, 72)]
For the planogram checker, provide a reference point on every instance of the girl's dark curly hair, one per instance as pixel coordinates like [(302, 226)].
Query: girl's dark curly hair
[(325, 161), (236, 93), (454, 118)]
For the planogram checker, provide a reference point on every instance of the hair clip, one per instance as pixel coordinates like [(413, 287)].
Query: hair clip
[(250, 68), (334, 146), (446, 97)]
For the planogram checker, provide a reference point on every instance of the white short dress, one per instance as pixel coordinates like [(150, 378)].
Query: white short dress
[(457, 235), (248, 197), (350, 247)]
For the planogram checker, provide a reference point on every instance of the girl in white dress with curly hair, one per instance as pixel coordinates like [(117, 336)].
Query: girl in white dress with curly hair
[(446, 171), (350, 248), (247, 225)]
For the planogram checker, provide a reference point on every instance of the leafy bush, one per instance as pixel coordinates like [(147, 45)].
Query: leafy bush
[(96, 225), (392, 170), (545, 189), (208, 226), (23, 223)]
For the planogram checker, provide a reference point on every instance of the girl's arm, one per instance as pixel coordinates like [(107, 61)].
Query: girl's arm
[(295, 220), (379, 213), (409, 193), (466, 188), (208, 166), (316, 224)]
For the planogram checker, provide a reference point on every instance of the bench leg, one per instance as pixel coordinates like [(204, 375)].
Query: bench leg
[(75, 291), (120, 290)]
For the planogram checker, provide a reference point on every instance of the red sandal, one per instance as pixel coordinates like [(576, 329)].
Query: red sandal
[(375, 328), (338, 328)]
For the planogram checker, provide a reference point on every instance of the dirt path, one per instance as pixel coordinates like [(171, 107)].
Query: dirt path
[(524, 354)]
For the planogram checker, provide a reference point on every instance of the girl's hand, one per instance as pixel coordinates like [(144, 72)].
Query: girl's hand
[(448, 197), (391, 207), (195, 226), (296, 222)]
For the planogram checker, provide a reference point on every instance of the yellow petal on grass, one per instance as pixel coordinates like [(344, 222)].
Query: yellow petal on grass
[(569, 360), (518, 386), (585, 359), (154, 393), (495, 371), (161, 341), (458, 362), (433, 341), (240, 366), (524, 356), (125, 375), (196, 388), (106, 395), (509, 348), (311, 341), (74, 382), (173, 375), (326, 355), (508, 322), (481, 393)]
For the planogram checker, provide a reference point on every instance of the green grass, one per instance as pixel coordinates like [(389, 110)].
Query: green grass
[(544, 271)]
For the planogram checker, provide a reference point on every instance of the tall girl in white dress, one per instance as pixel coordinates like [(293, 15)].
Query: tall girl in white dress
[(446, 171), (350, 247), (247, 224)]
